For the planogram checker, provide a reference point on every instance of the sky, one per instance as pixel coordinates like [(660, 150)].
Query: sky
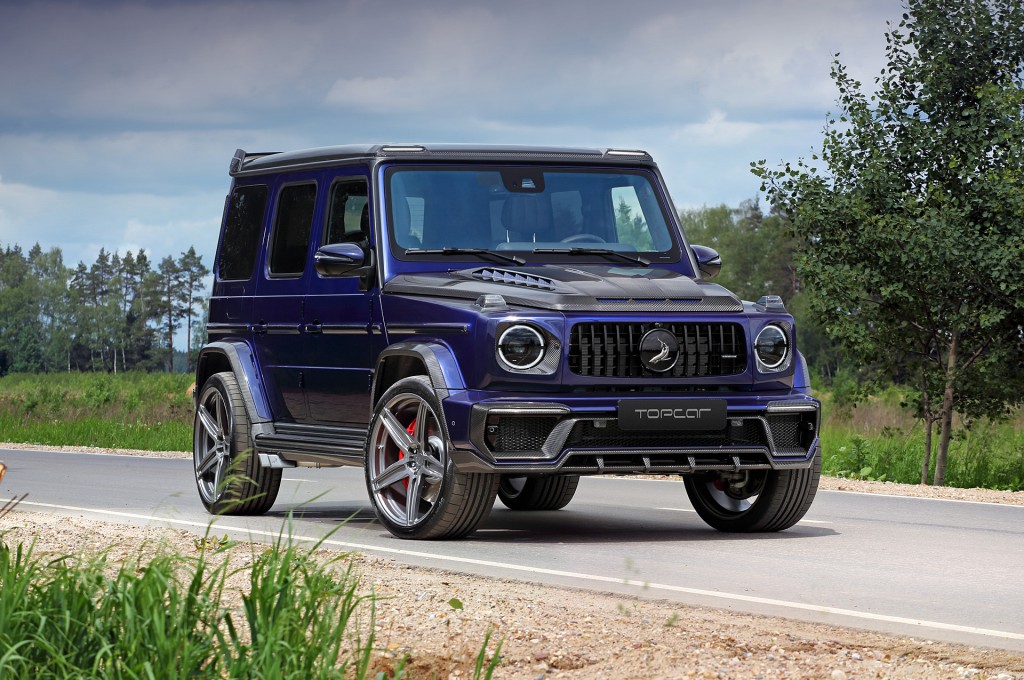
[(118, 119)]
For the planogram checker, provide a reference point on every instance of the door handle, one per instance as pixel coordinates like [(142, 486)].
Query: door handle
[(315, 327), (259, 328)]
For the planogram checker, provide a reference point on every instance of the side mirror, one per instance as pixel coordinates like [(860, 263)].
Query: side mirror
[(339, 259), (709, 262)]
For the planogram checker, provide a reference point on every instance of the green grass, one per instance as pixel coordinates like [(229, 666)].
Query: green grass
[(148, 411), (300, 614), (166, 617), (879, 439)]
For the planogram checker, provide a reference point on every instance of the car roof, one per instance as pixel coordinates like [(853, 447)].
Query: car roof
[(250, 163)]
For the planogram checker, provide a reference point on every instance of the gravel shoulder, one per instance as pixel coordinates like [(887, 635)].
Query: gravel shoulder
[(552, 632)]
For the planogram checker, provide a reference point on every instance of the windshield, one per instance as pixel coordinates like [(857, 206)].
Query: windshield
[(537, 213)]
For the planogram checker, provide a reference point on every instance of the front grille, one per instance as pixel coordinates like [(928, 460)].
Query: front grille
[(612, 350)]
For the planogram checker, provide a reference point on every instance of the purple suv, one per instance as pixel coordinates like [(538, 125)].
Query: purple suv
[(468, 322)]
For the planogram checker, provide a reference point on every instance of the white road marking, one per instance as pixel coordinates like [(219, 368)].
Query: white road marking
[(736, 597), (803, 521)]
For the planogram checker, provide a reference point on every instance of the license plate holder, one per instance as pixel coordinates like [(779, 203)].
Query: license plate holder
[(672, 414)]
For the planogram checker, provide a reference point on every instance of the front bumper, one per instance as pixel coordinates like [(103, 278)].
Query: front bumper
[(581, 435)]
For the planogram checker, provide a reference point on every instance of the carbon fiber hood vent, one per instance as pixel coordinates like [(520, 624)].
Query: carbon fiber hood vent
[(514, 278), (586, 288)]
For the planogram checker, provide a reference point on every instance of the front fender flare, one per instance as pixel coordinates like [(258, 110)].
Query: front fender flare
[(405, 358)]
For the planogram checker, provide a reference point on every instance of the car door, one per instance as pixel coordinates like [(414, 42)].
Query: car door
[(277, 306), (339, 342)]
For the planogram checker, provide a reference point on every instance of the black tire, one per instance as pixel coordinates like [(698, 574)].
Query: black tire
[(407, 455), (229, 476), (537, 493), (769, 501)]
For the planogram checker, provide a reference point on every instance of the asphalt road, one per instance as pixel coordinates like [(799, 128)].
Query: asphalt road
[(936, 570)]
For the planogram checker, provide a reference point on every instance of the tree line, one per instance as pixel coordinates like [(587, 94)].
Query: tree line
[(119, 313)]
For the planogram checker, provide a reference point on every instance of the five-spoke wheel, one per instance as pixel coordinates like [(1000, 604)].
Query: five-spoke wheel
[(415, 489), (228, 473)]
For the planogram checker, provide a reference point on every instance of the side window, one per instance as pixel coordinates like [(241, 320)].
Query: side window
[(630, 220), (348, 213), (291, 229), (241, 237)]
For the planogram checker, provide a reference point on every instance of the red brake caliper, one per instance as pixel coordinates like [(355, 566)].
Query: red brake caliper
[(412, 431)]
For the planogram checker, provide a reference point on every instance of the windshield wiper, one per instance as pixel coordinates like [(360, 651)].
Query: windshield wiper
[(481, 252), (604, 252)]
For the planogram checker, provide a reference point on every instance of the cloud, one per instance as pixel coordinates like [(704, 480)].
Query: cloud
[(80, 223), (717, 131), (157, 162), (120, 118), (221, 64), (171, 64)]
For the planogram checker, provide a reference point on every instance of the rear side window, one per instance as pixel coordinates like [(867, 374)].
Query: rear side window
[(241, 236), (291, 229)]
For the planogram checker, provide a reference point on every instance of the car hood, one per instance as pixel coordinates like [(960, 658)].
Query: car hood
[(573, 289)]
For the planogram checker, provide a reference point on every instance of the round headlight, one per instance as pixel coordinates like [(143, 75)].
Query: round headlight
[(771, 346), (521, 347)]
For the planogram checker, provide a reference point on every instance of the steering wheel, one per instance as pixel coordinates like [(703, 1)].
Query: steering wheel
[(583, 237)]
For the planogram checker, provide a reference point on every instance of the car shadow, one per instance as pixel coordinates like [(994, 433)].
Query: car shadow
[(580, 527), (327, 513), (566, 526)]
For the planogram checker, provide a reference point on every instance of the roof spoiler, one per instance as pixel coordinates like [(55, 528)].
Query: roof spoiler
[(241, 156)]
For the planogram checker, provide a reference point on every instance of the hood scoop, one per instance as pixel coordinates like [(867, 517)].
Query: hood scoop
[(593, 288), (495, 275)]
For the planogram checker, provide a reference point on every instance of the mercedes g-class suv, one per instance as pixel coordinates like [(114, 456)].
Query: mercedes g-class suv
[(468, 322)]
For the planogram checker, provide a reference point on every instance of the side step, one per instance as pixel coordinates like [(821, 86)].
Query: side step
[(294, 444)]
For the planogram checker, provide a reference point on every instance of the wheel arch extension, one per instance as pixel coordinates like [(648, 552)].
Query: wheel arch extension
[(802, 375), (237, 358), (404, 359)]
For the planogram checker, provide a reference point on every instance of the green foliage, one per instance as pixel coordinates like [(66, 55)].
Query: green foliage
[(86, 617), (484, 668), (632, 229), (133, 410), (101, 317), (295, 616), (879, 439), (911, 237), (756, 250)]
